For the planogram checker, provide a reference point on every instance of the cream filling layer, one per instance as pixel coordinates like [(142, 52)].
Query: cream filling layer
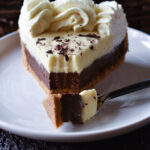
[(89, 101), (79, 51)]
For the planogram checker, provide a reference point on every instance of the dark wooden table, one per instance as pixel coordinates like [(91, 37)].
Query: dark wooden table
[(137, 140), (138, 14)]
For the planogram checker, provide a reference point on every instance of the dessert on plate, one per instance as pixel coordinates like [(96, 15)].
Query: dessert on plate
[(69, 45)]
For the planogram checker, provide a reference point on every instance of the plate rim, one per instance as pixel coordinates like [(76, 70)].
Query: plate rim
[(73, 136)]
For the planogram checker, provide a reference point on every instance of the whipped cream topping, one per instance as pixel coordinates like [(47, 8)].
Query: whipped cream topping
[(38, 16), (111, 20), (35, 16), (73, 14)]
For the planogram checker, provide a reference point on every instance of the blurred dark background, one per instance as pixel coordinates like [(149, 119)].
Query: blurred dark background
[(138, 14)]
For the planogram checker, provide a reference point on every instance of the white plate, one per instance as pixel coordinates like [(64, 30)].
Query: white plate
[(21, 110)]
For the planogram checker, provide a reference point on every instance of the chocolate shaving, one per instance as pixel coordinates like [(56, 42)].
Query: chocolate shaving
[(79, 43), (66, 57), (83, 105), (59, 40), (90, 35), (67, 40), (72, 50), (58, 47), (49, 52), (63, 50), (92, 41), (39, 40), (92, 47), (57, 37)]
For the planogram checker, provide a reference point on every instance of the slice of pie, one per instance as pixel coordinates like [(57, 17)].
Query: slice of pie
[(69, 45)]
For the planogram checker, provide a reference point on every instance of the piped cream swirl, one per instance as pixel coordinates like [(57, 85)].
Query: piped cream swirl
[(73, 14), (111, 20), (39, 16), (35, 16)]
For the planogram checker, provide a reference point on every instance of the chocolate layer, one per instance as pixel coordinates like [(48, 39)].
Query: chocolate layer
[(74, 81), (71, 108), (62, 108), (39, 70)]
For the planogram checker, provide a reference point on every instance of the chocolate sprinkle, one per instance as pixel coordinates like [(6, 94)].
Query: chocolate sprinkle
[(49, 52), (90, 35)]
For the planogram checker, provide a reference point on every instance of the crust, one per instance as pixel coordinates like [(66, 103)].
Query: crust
[(52, 106)]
